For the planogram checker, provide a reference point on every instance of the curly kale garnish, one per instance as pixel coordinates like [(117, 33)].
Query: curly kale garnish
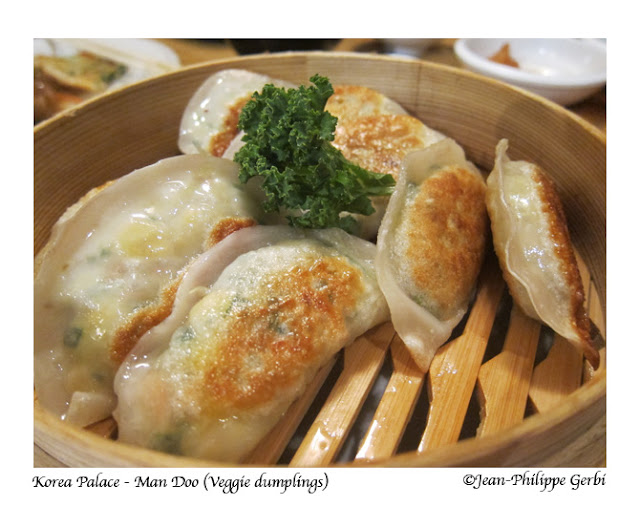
[(287, 139)]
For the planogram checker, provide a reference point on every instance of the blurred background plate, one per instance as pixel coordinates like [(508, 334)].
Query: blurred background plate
[(563, 70), (117, 62)]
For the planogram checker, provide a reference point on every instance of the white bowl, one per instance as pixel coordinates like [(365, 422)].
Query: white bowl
[(563, 70)]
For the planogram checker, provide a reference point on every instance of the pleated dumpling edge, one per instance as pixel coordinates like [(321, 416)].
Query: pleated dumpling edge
[(531, 239)]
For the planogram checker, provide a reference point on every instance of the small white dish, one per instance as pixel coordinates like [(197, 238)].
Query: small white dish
[(563, 70)]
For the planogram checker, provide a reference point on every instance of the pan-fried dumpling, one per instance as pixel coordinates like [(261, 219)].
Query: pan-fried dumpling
[(351, 101), (376, 133), (111, 267), (379, 143), (254, 320), (210, 120), (532, 242), (431, 246)]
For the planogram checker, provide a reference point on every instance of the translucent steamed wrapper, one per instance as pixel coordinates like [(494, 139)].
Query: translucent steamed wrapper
[(210, 120), (254, 319), (532, 242), (111, 267), (431, 246)]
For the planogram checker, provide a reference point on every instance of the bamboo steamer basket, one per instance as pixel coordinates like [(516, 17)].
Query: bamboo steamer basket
[(500, 392)]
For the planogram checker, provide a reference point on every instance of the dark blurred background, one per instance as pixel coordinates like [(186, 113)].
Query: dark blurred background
[(251, 46)]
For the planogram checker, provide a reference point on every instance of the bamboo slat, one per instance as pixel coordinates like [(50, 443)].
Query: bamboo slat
[(362, 363), (273, 445), (453, 372), (395, 408), (106, 428), (597, 318), (594, 310), (561, 372), (503, 381)]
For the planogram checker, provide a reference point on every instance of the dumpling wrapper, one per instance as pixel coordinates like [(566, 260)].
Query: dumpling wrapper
[(110, 269), (351, 101), (254, 319), (431, 246), (532, 242), (210, 120)]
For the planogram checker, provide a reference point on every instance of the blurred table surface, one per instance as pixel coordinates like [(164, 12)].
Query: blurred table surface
[(193, 51)]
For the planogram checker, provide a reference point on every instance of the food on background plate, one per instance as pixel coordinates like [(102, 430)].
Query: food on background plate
[(431, 246), (62, 82), (83, 71), (254, 319), (532, 242), (503, 56), (69, 71), (111, 267)]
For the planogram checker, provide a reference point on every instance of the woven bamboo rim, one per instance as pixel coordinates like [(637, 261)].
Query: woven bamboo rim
[(109, 136)]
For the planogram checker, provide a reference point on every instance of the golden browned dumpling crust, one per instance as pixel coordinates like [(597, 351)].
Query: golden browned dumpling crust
[(128, 335), (255, 360), (147, 318), (380, 143), (221, 140), (84, 71), (228, 226), (447, 234), (552, 208)]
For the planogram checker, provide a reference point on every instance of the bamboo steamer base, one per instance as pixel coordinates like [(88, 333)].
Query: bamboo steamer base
[(503, 391)]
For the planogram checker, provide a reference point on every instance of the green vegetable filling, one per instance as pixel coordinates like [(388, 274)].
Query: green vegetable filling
[(72, 337), (169, 442), (287, 139)]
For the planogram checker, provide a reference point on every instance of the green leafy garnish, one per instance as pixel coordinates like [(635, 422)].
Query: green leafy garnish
[(287, 139)]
